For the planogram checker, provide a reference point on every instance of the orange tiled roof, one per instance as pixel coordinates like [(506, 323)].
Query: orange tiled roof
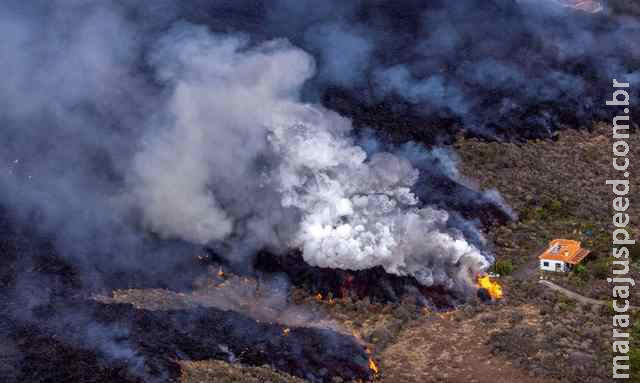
[(565, 250)]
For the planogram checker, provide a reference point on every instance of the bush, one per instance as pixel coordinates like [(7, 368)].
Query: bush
[(580, 274), (503, 267), (554, 205), (634, 363), (533, 213), (580, 270), (600, 268), (567, 304), (634, 352)]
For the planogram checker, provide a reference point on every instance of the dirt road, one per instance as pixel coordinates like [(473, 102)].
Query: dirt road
[(578, 297)]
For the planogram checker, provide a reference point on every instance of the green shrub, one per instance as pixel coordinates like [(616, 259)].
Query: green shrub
[(634, 363), (555, 205), (503, 267), (579, 273), (540, 213), (580, 270), (634, 351), (600, 268), (635, 332), (567, 305), (548, 209), (533, 213)]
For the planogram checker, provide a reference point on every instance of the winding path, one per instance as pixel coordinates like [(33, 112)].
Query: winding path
[(578, 297), (572, 295)]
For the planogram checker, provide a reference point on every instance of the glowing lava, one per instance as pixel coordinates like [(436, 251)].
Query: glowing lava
[(493, 288)]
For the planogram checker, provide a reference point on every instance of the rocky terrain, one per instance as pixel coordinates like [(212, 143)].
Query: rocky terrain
[(84, 315), (558, 190), (535, 334)]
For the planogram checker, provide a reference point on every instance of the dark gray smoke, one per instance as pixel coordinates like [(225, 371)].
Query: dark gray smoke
[(116, 128), (122, 122), (131, 131), (498, 68), (71, 109), (236, 129)]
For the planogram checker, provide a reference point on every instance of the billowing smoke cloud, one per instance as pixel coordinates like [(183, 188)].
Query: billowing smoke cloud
[(498, 68), (71, 108), (360, 212), (128, 134), (120, 122), (241, 149)]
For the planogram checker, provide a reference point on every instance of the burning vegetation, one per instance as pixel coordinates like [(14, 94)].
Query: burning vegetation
[(335, 176), (373, 367), (489, 286)]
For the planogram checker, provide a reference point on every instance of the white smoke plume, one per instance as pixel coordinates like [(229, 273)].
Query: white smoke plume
[(241, 159)]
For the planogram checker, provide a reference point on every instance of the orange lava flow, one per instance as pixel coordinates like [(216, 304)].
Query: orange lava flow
[(493, 287)]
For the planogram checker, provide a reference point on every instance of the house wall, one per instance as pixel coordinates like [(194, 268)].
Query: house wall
[(552, 265)]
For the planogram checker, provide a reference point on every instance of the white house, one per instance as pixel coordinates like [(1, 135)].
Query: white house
[(562, 255)]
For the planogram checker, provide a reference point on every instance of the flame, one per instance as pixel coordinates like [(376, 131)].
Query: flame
[(373, 366), (285, 332), (493, 287), (221, 272), (320, 298)]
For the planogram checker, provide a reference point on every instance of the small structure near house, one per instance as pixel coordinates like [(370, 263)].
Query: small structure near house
[(562, 255)]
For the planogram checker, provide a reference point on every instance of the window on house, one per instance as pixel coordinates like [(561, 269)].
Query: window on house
[(545, 264)]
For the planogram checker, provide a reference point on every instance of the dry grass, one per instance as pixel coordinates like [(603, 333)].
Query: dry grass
[(222, 372)]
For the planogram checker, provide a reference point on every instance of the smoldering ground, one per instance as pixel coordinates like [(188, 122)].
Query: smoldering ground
[(499, 68), (134, 131)]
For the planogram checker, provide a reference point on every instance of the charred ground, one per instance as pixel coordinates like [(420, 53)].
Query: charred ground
[(533, 335)]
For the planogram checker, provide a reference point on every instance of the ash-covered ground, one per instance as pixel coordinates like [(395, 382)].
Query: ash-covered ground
[(533, 335)]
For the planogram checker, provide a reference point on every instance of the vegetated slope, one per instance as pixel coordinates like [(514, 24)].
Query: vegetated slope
[(558, 189)]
